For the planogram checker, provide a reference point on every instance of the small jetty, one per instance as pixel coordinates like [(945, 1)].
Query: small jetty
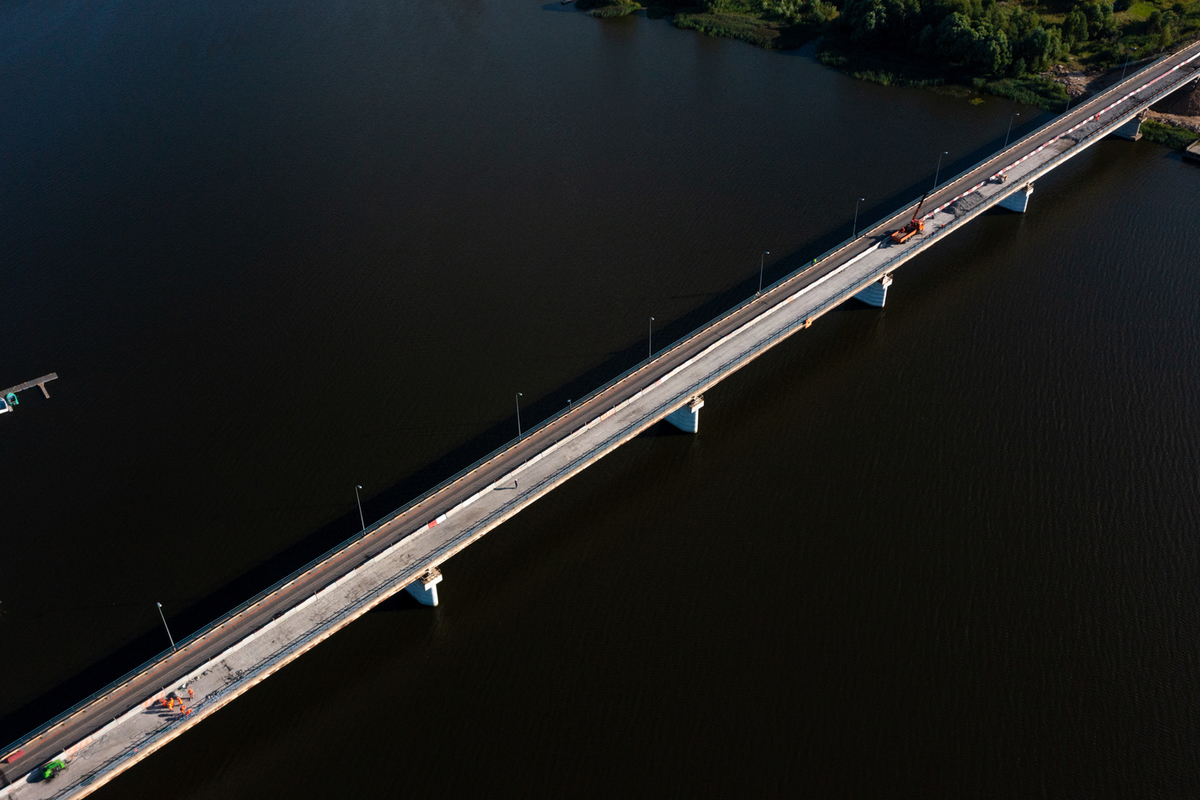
[(8, 397), (1192, 153)]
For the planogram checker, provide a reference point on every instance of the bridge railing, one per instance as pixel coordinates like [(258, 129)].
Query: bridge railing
[(258, 597)]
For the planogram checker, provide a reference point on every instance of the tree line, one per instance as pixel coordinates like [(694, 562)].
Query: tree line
[(981, 38)]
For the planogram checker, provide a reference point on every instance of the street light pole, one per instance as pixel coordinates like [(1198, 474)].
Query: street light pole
[(518, 401), (1127, 63), (762, 260), (650, 341), (360, 514), (1010, 122), (164, 619), (937, 171), (854, 230)]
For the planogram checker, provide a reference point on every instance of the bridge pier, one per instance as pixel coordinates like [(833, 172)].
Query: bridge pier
[(876, 293), (1131, 130), (687, 418), (424, 588), (1019, 200)]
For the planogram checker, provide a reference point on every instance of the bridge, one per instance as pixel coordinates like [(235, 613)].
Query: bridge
[(116, 727)]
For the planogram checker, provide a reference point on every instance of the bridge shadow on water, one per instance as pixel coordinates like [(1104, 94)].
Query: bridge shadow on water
[(142, 648), (400, 601)]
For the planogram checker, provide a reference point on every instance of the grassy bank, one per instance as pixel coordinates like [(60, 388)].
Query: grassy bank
[(763, 23), (607, 8), (998, 47), (750, 28), (1140, 28), (1169, 135), (1030, 90), (898, 69)]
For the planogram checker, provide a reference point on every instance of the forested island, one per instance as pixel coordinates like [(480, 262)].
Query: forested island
[(1002, 48)]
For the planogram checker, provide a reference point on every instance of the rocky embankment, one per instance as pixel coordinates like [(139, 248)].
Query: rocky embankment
[(1181, 109)]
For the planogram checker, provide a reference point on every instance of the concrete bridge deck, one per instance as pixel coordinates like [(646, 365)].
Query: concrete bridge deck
[(125, 722)]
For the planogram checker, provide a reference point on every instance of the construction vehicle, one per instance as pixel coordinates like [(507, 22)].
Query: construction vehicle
[(49, 771), (914, 226)]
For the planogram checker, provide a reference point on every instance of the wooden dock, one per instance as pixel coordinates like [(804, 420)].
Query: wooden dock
[(38, 382), (1192, 153)]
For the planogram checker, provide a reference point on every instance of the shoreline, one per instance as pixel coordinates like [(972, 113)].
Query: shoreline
[(1051, 89)]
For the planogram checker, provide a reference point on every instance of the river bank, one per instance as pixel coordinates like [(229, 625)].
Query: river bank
[(1045, 60), (1181, 113), (897, 69), (779, 26), (1175, 122)]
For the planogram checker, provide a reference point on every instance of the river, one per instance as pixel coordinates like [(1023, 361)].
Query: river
[(275, 250)]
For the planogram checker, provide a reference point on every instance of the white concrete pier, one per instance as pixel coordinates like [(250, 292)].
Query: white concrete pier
[(687, 418), (1019, 200), (424, 588), (1131, 130), (876, 293)]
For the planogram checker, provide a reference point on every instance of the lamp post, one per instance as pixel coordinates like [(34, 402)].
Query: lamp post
[(650, 341), (1127, 63), (164, 619), (518, 401), (937, 170), (854, 230), (762, 260), (360, 514), (1010, 122)]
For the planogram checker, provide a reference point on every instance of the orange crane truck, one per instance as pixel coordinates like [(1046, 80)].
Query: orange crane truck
[(914, 226)]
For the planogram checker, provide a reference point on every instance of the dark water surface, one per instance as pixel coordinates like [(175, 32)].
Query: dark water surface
[(275, 249)]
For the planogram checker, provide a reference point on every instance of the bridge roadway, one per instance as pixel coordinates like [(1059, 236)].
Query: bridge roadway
[(122, 724)]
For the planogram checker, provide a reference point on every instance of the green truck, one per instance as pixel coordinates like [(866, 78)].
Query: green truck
[(53, 768)]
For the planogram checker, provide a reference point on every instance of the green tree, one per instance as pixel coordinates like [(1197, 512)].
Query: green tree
[(956, 38), (927, 42), (991, 54), (1039, 48), (1074, 27), (1166, 38), (866, 20), (1100, 21), (1021, 23), (882, 22), (823, 12)]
